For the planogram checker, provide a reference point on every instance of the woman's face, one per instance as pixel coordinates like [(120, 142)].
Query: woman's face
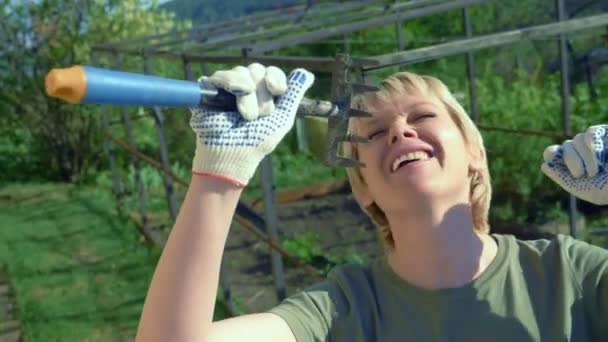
[(416, 153)]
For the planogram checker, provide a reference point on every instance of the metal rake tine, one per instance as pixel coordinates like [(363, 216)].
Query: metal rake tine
[(354, 138), (345, 162), (358, 113), (362, 88)]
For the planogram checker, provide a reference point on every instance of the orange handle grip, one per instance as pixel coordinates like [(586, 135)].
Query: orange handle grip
[(68, 84)]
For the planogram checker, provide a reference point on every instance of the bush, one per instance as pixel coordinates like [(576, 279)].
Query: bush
[(530, 102)]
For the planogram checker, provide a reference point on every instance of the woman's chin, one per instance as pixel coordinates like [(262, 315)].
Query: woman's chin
[(417, 190), (416, 182)]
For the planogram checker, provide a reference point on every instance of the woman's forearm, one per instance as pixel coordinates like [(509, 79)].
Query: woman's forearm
[(181, 299)]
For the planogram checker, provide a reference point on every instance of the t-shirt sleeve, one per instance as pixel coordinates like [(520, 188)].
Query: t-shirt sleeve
[(590, 262), (310, 313)]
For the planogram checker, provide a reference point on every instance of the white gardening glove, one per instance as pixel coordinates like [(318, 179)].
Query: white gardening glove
[(579, 165), (254, 86), (230, 145)]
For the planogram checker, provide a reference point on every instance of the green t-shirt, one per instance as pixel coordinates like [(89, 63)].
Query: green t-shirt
[(543, 290)]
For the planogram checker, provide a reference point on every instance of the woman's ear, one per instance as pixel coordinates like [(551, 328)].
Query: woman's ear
[(476, 162)]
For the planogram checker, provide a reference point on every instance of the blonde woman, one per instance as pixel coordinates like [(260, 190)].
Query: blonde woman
[(426, 186)]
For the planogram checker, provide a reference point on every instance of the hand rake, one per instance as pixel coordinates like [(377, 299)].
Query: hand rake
[(92, 85)]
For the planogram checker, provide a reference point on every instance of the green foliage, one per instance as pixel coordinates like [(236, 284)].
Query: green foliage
[(527, 102), (153, 188), (64, 32), (304, 246), (307, 247), (597, 233), (91, 272), (215, 10), (64, 141), (15, 154), (514, 92), (292, 168), (79, 271)]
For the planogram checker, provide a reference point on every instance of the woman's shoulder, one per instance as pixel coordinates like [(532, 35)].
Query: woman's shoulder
[(580, 255), (561, 242), (356, 281), (347, 273)]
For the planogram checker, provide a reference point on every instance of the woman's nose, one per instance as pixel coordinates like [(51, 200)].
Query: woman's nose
[(401, 130)]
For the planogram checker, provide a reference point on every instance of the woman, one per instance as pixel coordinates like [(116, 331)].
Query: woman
[(426, 185)]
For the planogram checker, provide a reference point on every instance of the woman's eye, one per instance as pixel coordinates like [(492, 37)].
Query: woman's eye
[(426, 115), (376, 134)]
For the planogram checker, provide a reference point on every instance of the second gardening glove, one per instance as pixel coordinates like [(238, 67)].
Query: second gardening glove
[(579, 165)]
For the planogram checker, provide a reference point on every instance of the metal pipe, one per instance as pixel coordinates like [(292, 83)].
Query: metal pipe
[(162, 145), (357, 26), (141, 193), (109, 147), (272, 223), (235, 22), (226, 43), (248, 32), (565, 91), (315, 64), (487, 41), (471, 67), (224, 274)]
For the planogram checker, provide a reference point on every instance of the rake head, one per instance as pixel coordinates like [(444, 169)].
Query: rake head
[(338, 112)]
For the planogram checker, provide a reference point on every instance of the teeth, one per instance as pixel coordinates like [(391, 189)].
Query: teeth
[(419, 155)]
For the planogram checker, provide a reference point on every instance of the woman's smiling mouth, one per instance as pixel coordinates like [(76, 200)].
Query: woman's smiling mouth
[(409, 158)]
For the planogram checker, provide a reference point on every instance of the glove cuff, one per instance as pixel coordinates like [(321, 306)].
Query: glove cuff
[(236, 167)]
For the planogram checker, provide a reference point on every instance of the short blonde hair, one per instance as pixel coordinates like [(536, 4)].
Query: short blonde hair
[(398, 85)]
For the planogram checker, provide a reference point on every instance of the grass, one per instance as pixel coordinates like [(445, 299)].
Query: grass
[(80, 273)]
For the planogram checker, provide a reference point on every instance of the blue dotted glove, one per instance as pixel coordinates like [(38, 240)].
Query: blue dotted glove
[(579, 165), (230, 145)]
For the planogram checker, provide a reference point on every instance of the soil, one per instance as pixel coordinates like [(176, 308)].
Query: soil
[(342, 228)]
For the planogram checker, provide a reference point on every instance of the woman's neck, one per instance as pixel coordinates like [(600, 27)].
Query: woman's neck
[(440, 249)]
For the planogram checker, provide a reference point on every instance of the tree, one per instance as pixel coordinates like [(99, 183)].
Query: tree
[(36, 36)]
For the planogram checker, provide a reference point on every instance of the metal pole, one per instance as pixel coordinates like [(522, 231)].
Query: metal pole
[(224, 277), (141, 194), (396, 15), (471, 67), (270, 213), (346, 44), (188, 69), (400, 40), (109, 147), (302, 134), (462, 46), (565, 90), (399, 31), (204, 69), (363, 77), (164, 157), (321, 64)]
